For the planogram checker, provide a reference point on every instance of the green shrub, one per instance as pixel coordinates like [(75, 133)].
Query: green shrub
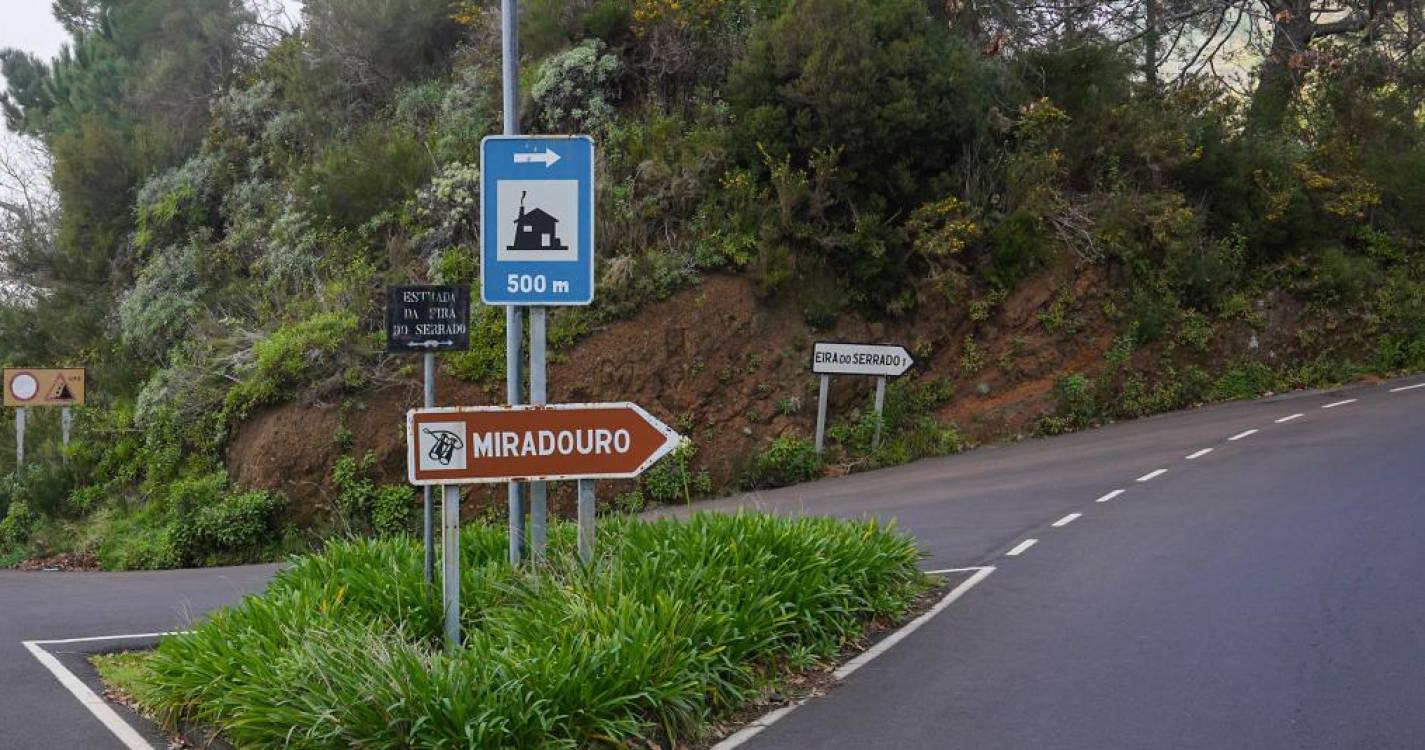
[(1246, 379), (577, 89), (677, 624), (351, 181), (365, 506), (18, 524), (788, 460), (674, 480), (234, 528), (910, 429)]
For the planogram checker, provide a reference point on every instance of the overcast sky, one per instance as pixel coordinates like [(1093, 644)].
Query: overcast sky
[(29, 25)]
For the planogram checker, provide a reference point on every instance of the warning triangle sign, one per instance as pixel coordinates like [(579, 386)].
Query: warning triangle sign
[(60, 390)]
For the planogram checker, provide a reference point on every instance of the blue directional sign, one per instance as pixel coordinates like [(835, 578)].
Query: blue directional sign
[(537, 220)]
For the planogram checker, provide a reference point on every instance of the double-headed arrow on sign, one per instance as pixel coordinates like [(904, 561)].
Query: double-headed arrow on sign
[(472, 445)]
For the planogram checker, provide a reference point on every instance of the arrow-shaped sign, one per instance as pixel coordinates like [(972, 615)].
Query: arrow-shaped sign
[(548, 157), (887, 360), (472, 445)]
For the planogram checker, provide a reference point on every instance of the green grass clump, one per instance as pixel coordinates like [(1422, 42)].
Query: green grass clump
[(676, 622)]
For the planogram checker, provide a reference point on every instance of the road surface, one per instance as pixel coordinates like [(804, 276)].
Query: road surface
[(1264, 593), (1268, 593)]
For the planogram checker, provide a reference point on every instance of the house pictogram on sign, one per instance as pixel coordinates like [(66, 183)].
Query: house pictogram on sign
[(60, 390), (535, 230)]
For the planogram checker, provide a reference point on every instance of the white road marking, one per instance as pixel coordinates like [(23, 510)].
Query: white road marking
[(1021, 547), (96, 705), (1241, 435), (1066, 520), (1152, 475), (1284, 420), (772, 717), (1200, 454), (1407, 388), (1109, 496), (1340, 403)]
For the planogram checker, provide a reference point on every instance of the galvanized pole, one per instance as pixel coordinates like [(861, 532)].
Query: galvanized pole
[(880, 407), (429, 518), (821, 413), (538, 491), (450, 564), (514, 316), (19, 438), (586, 520)]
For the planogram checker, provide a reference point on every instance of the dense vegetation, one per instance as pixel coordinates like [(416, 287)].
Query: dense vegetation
[(677, 623), (229, 199)]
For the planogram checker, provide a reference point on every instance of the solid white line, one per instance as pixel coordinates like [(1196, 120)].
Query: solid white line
[(110, 638), (1200, 454), (1021, 547), (772, 717), (1241, 435), (1407, 388), (1340, 403), (1109, 496), (1284, 420), (886, 643), (1152, 475), (96, 705), (953, 570), (1066, 520)]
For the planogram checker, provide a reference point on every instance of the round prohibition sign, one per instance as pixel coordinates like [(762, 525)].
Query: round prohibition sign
[(24, 386)]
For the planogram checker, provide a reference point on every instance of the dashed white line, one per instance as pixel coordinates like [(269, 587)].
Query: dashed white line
[(1407, 388), (1152, 475), (1340, 403), (1241, 435), (1021, 547), (1066, 520), (1286, 419), (1109, 496), (1199, 454)]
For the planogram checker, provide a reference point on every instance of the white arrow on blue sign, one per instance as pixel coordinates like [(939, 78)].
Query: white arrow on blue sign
[(537, 220)]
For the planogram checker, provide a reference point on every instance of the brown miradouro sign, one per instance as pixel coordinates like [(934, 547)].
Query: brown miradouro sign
[(471, 445)]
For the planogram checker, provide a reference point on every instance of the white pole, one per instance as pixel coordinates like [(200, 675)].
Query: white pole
[(66, 420), (821, 413), (514, 316), (586, 520), (880, 407), (450, 564), (19, 439), (538, 492)]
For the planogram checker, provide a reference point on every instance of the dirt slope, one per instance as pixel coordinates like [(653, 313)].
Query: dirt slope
[(724, 367)]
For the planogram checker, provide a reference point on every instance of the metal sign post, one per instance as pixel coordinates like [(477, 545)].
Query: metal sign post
[(427, 319), (538, 492), (514, 316), (428, 515), (19, 439), (537, 251), (450, 563), (880, 360)]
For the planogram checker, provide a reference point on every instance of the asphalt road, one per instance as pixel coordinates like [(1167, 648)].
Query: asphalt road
[(1266, 594), (36, 711)]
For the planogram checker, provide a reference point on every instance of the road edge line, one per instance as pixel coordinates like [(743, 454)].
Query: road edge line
[(88, 698), (736, 739)]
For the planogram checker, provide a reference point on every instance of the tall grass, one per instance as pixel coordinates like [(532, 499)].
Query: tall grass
[(675, 623)]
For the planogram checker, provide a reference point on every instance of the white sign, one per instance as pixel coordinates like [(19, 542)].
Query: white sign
[(829, 358)]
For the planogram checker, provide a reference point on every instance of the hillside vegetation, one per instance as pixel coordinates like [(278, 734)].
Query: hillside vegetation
[(230, 198)]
